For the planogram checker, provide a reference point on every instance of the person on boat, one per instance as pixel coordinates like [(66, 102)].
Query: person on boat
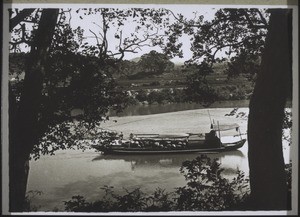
[(212, 139), (212, 133), (121, 136), (132, 136)]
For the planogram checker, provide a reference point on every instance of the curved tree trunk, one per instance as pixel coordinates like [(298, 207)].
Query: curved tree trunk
[(267, 174), (23, 121)]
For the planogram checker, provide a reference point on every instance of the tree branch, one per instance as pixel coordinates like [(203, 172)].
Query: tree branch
[(96, 37), (263, 19), (251, 23), (13, 22), (22, 40)]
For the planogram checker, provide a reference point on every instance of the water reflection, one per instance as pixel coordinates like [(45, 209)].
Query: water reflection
[(228, 159), (73, 172)]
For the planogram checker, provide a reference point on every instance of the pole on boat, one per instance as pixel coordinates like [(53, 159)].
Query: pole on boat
[(211, 124), (240, 133), (219, 133)]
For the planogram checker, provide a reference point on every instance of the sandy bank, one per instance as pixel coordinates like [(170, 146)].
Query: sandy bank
[(190, 121)]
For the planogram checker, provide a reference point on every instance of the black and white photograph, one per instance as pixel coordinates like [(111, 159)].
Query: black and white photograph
[(149, 109)]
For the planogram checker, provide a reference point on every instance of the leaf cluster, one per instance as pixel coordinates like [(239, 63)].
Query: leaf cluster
[(132, 201), (198, 89), (231, 31), (155, 62), (206, 187)]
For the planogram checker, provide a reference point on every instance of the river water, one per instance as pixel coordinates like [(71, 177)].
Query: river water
[(73, 172)]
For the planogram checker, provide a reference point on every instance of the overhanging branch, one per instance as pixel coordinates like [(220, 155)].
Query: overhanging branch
[(13, 22)]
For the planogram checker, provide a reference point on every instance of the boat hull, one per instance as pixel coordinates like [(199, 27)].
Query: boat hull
[(124, 150)]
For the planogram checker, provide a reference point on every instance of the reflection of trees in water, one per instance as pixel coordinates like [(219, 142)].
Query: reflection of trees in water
[(175, 160)]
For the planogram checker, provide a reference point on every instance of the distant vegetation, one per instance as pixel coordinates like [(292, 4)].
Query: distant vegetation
[(153, 78)]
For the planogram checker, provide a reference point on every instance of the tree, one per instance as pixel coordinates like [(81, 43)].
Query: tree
[(198, 90), (243, 64), (155, 63), (232, 31), (126, 68), (23, 126), (56, 60), (266, 115), (239, 31)]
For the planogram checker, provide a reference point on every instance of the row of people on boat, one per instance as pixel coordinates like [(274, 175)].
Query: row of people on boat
[(149, 143), (136, 142)]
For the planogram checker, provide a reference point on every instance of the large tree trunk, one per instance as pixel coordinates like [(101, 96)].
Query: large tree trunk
[(24, 122), (267, 174)]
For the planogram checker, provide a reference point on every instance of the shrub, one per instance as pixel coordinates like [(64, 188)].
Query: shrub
[(141, 96), (207, 189)]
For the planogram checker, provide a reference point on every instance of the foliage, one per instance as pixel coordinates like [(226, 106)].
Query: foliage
[(131, 201), (198, 90), (233, 31), (78, 71), (206, 189), (234, 112), (164, 95), (287, 121), (125, 69), (243, 64), (70, 85), (155, 63), (155, 96), (141, 95), (287, 126), (288, 170), (233, 92), (71, 135), (239, 33)]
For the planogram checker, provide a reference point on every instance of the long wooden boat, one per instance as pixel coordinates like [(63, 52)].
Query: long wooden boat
[(174, 143), (193, 149)]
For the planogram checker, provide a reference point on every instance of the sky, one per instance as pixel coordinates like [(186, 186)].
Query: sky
[(90, 22), (185, 10)]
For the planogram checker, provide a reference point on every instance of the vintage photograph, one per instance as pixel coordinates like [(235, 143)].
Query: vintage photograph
[(150, 108)]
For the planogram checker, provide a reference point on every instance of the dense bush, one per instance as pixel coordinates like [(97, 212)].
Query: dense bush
[(141, 95), (233, 92), (165, 95), (202, 94), (207, 189)]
